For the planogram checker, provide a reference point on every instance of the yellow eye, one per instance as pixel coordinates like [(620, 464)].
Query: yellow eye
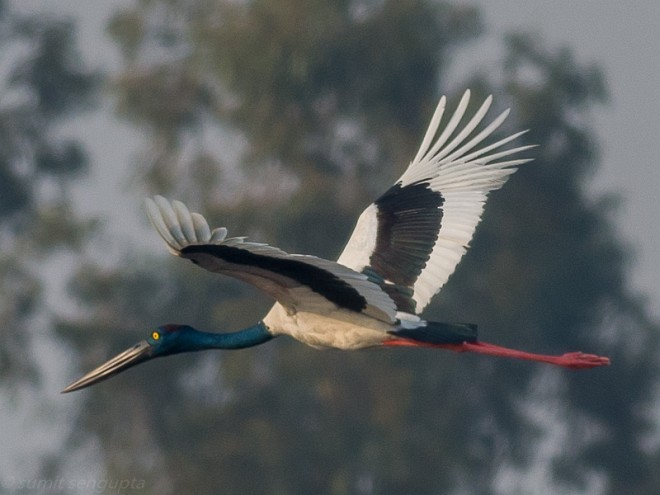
[(155, 335)]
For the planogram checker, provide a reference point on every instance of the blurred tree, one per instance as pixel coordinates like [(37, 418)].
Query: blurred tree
[(41, 87), (44, 83), (283, 119)]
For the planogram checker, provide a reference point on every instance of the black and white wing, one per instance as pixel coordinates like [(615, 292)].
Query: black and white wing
[(410, 240), (298, 282)]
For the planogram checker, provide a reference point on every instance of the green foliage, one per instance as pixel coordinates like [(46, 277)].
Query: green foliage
[(53, 73), (329, 100)]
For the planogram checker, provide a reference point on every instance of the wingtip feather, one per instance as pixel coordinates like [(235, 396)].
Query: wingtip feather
[(185, 221), (454, 120), (178, 226), (201, 226), (432, 129), (155, 215)]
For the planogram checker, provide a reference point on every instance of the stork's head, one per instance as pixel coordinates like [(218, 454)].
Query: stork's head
[(163, 341)]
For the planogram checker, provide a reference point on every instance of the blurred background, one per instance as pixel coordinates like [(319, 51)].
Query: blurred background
[(282, 120)]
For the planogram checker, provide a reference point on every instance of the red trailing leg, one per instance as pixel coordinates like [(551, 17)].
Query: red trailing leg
[(571, 360)]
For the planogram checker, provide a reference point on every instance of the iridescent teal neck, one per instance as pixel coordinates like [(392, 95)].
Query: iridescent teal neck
[(248, 337), (187, 339)]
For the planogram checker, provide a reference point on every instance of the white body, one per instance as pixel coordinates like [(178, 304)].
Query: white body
[(336, 328)]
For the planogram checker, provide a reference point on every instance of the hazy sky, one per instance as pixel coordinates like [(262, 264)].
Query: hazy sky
[(621, 37)]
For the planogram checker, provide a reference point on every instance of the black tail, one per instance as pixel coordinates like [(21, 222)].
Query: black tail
[(433, 332)]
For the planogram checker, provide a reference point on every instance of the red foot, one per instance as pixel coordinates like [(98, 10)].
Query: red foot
[(580, 360), (571, 360)]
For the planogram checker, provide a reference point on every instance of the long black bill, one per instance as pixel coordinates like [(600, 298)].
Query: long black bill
[(130, 357)]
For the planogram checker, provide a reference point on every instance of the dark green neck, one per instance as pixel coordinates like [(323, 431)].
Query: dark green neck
[(189, 339), (248, 337)]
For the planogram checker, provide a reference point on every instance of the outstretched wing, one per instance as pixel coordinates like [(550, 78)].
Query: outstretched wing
[(410, 240), (298, 282)]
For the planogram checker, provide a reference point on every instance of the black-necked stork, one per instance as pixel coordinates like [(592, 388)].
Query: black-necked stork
[(403, 249)]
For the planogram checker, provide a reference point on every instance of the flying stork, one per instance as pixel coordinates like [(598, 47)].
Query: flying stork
[(403, 249)]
